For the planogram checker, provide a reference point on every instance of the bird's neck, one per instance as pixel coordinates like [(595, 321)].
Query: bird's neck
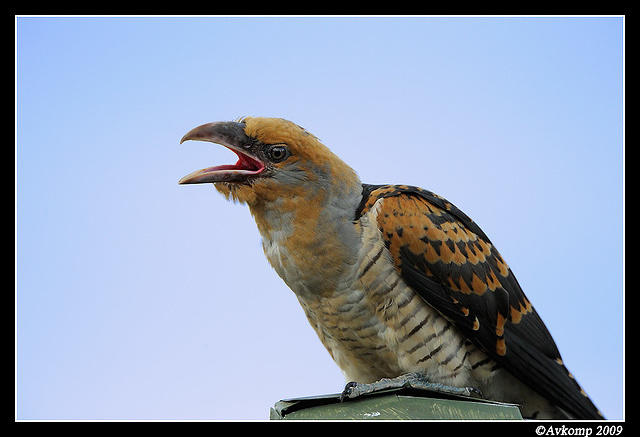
[(309, 236)]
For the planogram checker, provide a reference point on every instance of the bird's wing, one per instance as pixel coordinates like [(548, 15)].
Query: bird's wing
[(449, 261)]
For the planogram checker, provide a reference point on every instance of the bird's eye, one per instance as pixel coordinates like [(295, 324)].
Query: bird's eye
[(278, 153)]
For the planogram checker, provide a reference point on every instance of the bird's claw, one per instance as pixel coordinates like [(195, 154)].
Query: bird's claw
[(474, 392), (348, 391), (411, 380)]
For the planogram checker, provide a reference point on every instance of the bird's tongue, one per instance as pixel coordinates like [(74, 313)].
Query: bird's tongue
[(248, 163), (244, 163)]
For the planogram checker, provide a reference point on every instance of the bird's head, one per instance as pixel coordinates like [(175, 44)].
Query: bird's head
[(276, 159)]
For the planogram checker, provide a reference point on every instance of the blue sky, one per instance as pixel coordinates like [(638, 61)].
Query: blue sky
[(138, 298)]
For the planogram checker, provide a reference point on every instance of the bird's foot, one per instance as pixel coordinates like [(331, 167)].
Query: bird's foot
[(409, 380)]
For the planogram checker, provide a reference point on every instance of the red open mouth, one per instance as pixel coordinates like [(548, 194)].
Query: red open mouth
[(245, 166)]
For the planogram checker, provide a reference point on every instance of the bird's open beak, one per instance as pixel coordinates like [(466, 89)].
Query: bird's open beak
[(232, 136)]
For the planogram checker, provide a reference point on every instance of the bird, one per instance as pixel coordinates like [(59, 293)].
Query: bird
[(401, 287)]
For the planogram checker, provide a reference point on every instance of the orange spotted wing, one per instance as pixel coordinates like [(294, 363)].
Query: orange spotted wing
[(450, 262)]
